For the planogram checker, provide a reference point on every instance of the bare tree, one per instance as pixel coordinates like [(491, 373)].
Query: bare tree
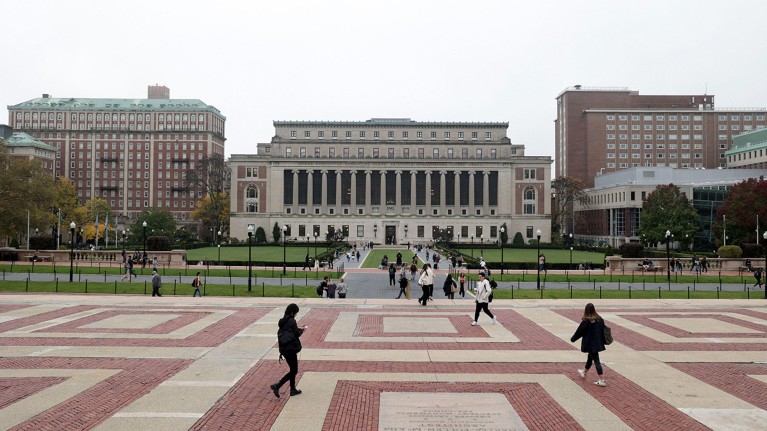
[(210, 179), (570, 191)]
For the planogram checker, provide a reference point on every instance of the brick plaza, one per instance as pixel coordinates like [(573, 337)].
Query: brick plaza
[(74, 362)]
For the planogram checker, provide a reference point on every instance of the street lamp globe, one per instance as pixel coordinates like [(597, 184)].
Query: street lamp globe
[(72, 225), (143, 224)]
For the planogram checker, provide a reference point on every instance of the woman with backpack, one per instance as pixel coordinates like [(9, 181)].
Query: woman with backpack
[(426, 280), (591, 331), (450, 287), (288, 339), (483, 298)]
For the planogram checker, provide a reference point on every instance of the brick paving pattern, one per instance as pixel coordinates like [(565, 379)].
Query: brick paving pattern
[(70, 362)]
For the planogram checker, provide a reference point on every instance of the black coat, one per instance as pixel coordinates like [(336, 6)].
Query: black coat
[(288, 336), (592, 334)]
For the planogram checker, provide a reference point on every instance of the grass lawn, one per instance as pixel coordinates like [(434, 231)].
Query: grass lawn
[(303, 291), (262, 253), (530, 255), (373, 259)]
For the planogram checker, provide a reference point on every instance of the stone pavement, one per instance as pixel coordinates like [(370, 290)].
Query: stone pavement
[(113, 362)]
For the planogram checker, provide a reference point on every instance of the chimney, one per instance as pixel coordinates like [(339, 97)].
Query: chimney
[(46, 96), (158, 92)]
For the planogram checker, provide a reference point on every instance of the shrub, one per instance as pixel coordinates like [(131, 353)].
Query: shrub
[(631, 250), (158, 243), (14, 243), (730, 251), (41, 242), (518, 240), (609, 251), (260, 235), (752, 250)]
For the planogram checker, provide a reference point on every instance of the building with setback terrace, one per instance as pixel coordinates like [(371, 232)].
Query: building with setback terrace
[(391, 180)]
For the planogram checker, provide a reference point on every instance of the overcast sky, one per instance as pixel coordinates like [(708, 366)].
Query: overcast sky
[(261, 61)]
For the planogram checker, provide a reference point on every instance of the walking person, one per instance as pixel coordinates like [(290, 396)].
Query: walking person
[(331, 289), (591, 331), (306, 262), (462, 282), (413, 270), (128, 270), (426, 280), (450, 287), (289, 341), (402, 286), (154, 264), (758, 277), (392, 275), (196, 283), (482, 299), (342, 288), (156, 283)]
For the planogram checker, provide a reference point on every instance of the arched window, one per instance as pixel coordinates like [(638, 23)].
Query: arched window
[(251, 199), (528, 200)]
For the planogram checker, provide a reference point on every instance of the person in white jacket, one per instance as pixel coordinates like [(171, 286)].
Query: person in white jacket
[(483, 292), (427, 283)]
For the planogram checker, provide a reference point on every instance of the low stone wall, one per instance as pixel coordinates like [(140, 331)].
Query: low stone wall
[(619, 264), (164, 258)]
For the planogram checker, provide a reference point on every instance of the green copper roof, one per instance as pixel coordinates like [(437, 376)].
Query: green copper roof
[(84, 104), (21, 139), (748, 141)]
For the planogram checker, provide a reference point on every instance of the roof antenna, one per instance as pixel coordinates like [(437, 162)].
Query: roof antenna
[(706, 92)]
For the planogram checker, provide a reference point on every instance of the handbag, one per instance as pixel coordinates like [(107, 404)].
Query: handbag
[(608, 335)]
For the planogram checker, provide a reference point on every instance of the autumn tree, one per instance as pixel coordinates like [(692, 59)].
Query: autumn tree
[(667, 208), (570, 191), (743, 206), (212, 217), (159, 221), (210, 178), (26, 193)]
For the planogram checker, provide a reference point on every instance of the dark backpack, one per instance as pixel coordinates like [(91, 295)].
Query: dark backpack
[(320, 289), (493, 284)]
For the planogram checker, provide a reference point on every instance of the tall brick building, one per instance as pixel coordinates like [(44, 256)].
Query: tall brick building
[(132, 153), (599, 130)]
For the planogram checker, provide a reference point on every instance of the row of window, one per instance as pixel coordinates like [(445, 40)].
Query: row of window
[(611, 165), (362, 134), (43, 116), (308, 232), (674, 127), (111, 126), (390, 153), (685, 117), (684, 137), (658, 155)]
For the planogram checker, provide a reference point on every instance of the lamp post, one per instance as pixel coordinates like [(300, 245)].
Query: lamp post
[(218, 240), (316, 234), (537, 259), (284, 250), (472, 246), (143, 257), (765, 263), (501, 238), (250, 267), (72, 227), (668, 257), (123, 241)]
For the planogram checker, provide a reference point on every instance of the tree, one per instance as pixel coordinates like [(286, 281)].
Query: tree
[(443, 236), (335, 235), (159, 221), (518, 240), (742, 206), (210, 179), (212, 217), (26, 190), (260, 235), (276, 232), (504, 234), (667, 208), (570, 191)]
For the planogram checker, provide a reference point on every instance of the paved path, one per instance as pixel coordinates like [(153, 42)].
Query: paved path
[(114, 362)]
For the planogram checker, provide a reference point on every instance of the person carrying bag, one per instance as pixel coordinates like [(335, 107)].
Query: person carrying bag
[(288, 339)]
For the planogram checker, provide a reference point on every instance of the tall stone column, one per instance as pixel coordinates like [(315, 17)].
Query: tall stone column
[(338, 192), (295, 192), (413, 191), (486, 193), (368, 200), (353, 201), (471, 193), (457, 192), (383, 192), (442, 192), (398, 192), (428, 192), (310, 191), (324, 192)]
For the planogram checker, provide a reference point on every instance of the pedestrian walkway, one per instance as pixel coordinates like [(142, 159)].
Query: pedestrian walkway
[(121, 363)]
